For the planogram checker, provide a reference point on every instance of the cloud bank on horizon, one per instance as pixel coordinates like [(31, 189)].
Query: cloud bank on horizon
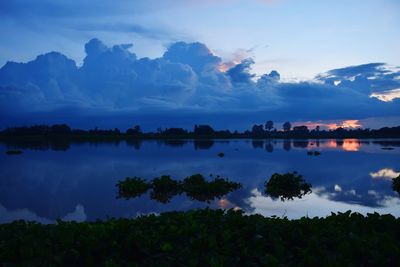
[(189, 79)]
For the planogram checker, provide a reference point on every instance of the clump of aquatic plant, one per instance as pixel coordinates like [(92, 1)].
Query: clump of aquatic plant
[(198, 188), (164, 188), (132, 187), (387, 148), (396, 184), (14, 152), (287, 186)]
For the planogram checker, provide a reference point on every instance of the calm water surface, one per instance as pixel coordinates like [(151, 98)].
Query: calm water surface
[(76, 181)]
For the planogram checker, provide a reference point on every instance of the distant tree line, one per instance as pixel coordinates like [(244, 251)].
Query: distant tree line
[(258, 131)]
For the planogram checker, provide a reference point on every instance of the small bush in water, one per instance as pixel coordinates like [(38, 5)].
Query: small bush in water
[(287, 186), (132, 187)]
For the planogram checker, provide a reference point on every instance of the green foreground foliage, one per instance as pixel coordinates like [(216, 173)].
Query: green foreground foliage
[(205, 238)]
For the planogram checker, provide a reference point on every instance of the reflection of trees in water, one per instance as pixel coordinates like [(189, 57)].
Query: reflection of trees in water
[(175, 143), (137, 144), (287, 145), (55, 145), (257, 143), (203, 144), (300, 143), (269, 147), (387, 143)]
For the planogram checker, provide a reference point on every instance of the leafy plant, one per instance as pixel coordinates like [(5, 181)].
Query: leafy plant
[(287, 186), (132, 187)]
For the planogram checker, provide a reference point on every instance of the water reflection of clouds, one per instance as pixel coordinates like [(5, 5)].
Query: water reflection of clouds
[(51, 183), (6, 216), (386, 173), (316, 204)]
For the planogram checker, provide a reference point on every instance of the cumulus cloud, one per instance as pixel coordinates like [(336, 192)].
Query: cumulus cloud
[(374, 79), (385, 173), (188, 79)]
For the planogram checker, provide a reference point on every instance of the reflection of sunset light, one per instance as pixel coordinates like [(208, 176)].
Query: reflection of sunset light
[(224, 203), (351, 145), (386, 173), (328, 144), (332, 144)]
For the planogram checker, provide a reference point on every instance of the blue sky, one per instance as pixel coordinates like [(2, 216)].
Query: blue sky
[(299, 38), (179, 62)]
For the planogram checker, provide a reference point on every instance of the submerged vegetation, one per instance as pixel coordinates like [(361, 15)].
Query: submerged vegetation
[(287, 186), (164, 188), (205, 238), (14, 152)]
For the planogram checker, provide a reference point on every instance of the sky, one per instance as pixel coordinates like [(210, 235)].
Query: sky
[(313, 46)]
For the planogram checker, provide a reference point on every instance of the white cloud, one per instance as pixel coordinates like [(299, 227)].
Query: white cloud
[(338, 188), (385, 173), (387, 96), (316, 205)]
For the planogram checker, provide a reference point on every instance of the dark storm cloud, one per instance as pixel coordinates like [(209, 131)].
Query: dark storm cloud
[(186, 82)]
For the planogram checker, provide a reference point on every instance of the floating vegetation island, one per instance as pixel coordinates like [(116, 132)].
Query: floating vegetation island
[(164, 188), (287, 186), (313, 153), (14, 152)]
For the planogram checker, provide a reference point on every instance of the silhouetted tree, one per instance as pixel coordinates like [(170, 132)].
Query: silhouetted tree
[(257, 129), (174, 131), (300, 129), (135, 130), (269, 125), (287, 126), (203, 129)]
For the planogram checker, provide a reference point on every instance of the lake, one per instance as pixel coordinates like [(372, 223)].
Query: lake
[(77, 181)]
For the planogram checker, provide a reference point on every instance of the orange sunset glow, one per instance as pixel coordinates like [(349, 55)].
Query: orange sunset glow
[(346, 124), (346, 144), (351, 145)]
